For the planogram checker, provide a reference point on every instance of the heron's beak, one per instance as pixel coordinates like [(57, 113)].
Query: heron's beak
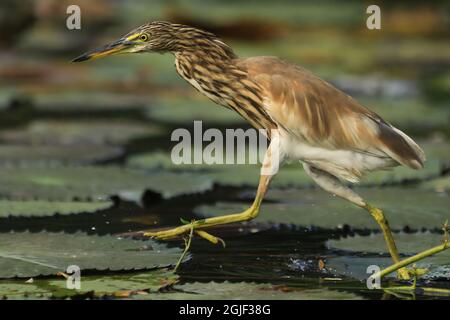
[(122, 45)]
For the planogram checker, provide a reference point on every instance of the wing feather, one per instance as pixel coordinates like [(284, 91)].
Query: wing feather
[(324, 116)]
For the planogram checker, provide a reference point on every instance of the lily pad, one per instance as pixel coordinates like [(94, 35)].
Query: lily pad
[(22, 155), (409, 244), (26, 254), (223, 174), (291, 174), (43, 208), (20, 290), (89, 101), (120, 285), (79, 132), (185, 111), (244, 290), (66, 183), (440, 184), (314, 207)]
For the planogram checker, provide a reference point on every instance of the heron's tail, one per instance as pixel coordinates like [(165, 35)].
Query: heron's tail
[(401, 147)]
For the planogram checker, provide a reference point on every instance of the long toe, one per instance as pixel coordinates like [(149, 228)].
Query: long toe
[(167, 234)]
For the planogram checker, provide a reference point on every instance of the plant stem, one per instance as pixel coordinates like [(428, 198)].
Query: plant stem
[(412, 289), (186, 248), (407, 261)]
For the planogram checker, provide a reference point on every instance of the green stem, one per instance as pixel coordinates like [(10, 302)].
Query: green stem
[(412, 289), (407, 261), (186, 248)]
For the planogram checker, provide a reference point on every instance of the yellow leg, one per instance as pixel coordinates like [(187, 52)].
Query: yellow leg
[(384, 225), (248, 214)]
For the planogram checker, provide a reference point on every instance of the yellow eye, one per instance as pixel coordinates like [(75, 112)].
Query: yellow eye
[(143, 37)]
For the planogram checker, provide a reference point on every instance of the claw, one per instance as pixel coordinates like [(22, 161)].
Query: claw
[(172, 233), (205, 235), (404, 274)]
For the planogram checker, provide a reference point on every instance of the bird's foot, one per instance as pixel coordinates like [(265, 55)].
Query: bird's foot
[(404, 274), (185, 229), (410, 273)]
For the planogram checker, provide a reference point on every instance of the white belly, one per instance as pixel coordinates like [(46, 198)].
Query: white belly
[(345, 164)]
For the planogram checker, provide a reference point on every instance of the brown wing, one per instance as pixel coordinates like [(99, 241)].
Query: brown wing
[(324, 116)]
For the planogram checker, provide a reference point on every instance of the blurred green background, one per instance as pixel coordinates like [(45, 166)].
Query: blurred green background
[(400, 71), (67, 131), (122, 109)]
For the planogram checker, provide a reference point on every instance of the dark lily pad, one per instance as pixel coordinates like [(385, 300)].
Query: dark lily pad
[(314, 207), (78, 132), (409, 244), (41, 208), (22, 155), (120, 285), (244, 290), (28, 254), (66, 183)]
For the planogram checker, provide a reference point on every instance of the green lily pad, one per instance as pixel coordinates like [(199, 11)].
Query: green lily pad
[(409, 244), (79, 132), (440, 184), (223, 174), (185, 111), (13, 155), (120, 285), (66, 183), (315, 207), (41, 208), (244, 290), (26, 254), (20, 290), (89, 101)]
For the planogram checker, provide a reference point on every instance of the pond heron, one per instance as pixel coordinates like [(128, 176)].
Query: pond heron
[(336, 139)]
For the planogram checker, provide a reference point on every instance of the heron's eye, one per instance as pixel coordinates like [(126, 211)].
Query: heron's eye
[(143, 37)]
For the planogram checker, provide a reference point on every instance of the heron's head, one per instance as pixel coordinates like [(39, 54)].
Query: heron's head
[(158, 36)]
